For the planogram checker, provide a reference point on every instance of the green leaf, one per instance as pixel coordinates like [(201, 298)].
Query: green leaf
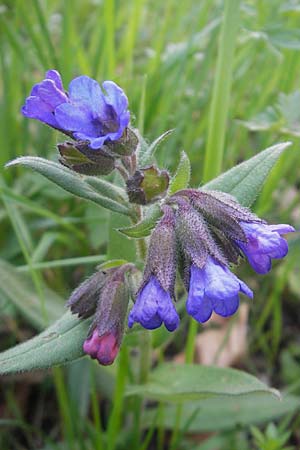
[(183, 382), (143, 228), (146, 156), (245, 180), (19, 289), (58, 344), (231, 412), (182, 176), (107, 189), (69, 181)]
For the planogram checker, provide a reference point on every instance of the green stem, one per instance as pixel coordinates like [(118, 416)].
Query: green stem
[(115, 417), (64, 407), (96, 413), (145, 356), (190, 345), (221, 91)]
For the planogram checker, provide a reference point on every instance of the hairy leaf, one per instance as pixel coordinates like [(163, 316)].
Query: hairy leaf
[(183, 382), (182, 176), (245, 180), (69, 181)]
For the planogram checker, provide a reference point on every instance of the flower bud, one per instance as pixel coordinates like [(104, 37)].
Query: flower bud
[(103, 348), (147, 185), (125, 145), (80, 158), (83, 300), (106, 332), (194, 236)]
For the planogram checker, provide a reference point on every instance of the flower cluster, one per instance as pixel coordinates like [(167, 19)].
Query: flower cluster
[(203, 233), (105, 296)]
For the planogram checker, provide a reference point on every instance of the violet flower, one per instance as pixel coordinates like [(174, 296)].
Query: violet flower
[(86, 112), (214, 288), (103, 348), (264, 242), (153, 307)]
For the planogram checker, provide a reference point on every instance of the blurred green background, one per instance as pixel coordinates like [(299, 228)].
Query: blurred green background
[(164, 55)]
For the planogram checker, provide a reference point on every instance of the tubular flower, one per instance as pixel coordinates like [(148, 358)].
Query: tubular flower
[(214, 288), (86, 112), (264, 242), (153, 307)]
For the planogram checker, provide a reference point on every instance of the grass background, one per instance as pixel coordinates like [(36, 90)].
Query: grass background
[(164, 55)]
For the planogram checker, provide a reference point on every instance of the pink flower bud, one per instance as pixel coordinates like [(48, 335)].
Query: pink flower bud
[(103, 348)]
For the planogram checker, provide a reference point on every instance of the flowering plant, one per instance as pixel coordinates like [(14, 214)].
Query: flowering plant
[(186, 238)]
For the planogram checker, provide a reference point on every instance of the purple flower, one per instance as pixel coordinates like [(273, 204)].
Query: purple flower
[(91, 115), (214, 288), (154, 306), (86, 112), (103, 348), (264, 242), (44, 99)]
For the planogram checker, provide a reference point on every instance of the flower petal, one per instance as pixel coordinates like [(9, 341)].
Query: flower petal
[(219, 281), (84, 90), (35, 108), (54, 75), (75, 118), (115, 97), (227, 306)]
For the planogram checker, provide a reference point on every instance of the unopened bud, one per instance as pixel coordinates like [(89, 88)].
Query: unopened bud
[(147, 185), (103, 348), (124, 146), (82, 159), (83, 300), (107, 329)]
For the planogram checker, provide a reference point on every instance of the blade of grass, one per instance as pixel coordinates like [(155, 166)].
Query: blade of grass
[(221, 91)]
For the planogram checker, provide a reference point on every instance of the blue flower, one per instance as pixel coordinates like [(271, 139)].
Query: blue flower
[(44, 99), (153, 307), (214, 288), (91, 115), (86, 112), (264, 242)]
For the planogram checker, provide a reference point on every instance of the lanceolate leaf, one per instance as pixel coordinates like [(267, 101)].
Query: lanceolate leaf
[(211, 414), (146, 157), (107, 189), (59, 344), (143, 228), (183, 382), (245, 181), (69, 181), (182, 176)]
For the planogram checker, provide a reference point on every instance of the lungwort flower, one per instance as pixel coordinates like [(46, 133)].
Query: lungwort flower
[(214, 288), (86, 112), (264, 242), (154, 304)]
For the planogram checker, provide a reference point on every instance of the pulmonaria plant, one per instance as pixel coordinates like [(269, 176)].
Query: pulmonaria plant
[(199, 234)]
